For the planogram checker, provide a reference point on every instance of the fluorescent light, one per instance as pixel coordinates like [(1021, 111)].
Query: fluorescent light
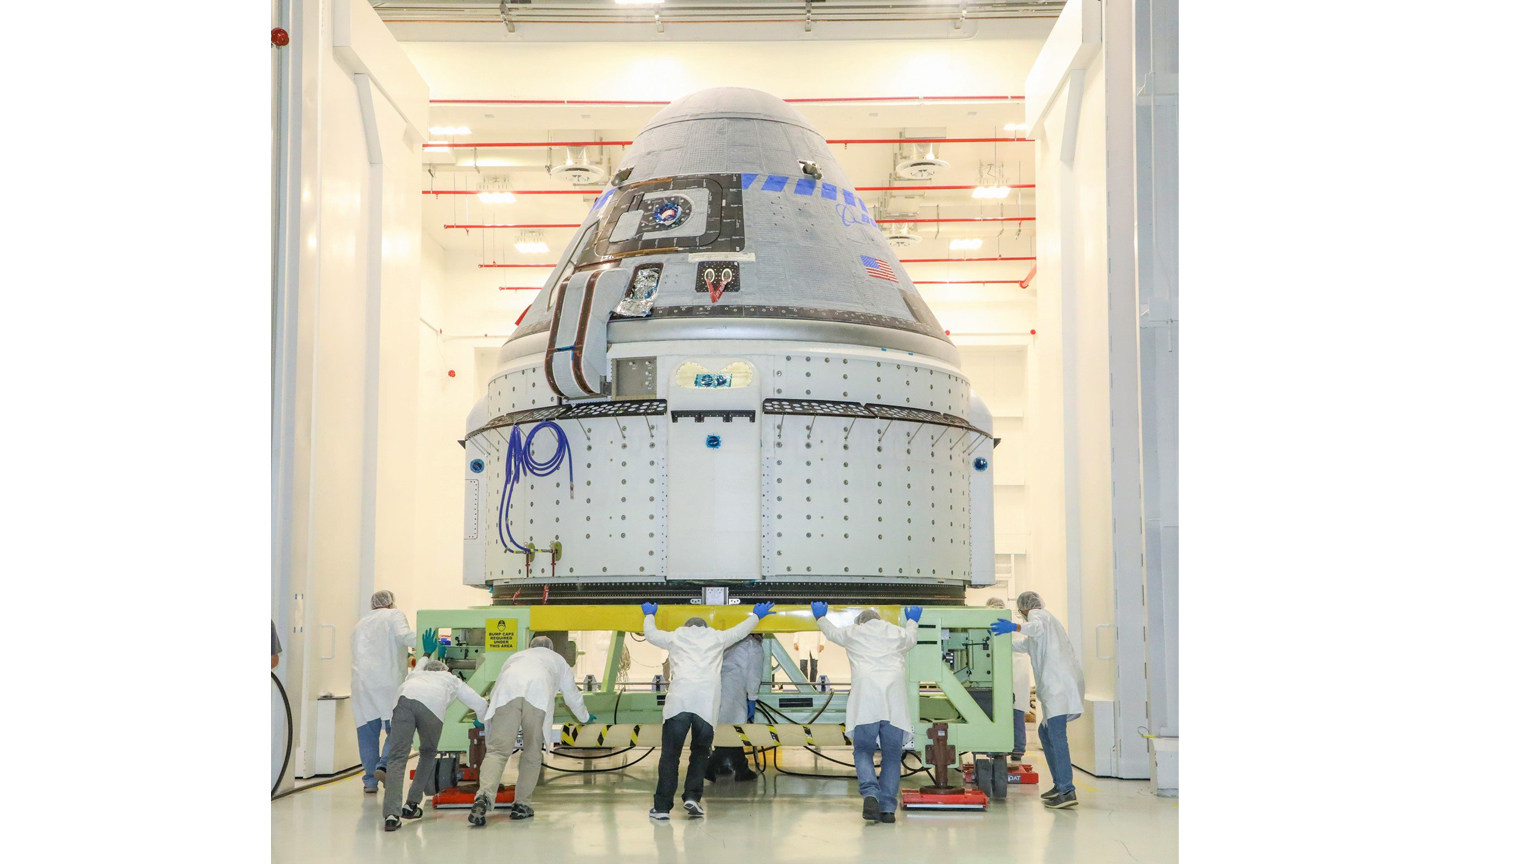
[(966, 243), (498, 197), (532, 247), (1013, 127), (449, 130), (990, 192)]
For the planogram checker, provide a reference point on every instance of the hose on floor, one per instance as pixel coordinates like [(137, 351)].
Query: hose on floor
[(288, 747)]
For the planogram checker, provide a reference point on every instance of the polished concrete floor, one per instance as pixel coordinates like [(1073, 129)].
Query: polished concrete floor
[(776, 818)]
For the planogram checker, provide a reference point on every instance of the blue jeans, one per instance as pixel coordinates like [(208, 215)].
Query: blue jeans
[(866, 738), (1018, 731), (368, 748), (1053, 740)]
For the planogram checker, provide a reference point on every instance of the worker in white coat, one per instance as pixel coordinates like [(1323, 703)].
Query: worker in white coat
[(878, 711), (380, 645), (1020, 695), (741, 674), (419, 712), (522, 702), (1058, 686), (693, 701)]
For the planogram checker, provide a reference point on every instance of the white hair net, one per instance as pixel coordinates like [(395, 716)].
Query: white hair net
[(695, 622), (435, 666), (542, 642), (382, 599), (996, 603), (867, 615), (1030, 600)]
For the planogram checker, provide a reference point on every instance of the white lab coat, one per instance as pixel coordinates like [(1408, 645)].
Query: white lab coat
[(380, 644), (535, 674), (877, 654), (696, 654), (437, 689), (741, 674), (1058, 676)]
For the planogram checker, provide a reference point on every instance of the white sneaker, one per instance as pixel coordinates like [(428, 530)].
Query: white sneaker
[(660, 815), (693, 808)]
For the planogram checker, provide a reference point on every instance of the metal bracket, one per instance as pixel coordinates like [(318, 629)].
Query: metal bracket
[(724, 414)]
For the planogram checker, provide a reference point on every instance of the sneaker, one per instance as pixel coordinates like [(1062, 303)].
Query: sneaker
[(693, 808), (1063, 801), (410, 811), (660, 815), (391, 823), (888, 818), (1016, 756), (745, 775), (378, 774), (520, 811), (478, 810), (370, 790), (871, 808), (1050, 794)]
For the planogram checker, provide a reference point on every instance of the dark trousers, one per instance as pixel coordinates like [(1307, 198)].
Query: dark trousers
[(673, 732)]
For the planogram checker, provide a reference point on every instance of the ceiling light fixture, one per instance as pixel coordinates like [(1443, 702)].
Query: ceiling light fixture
[(1013, 127), (531, 244), (965, 243), (498, 197), (990, 192)]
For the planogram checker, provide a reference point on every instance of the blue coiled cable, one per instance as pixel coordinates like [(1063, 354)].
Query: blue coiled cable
[(521, 461)]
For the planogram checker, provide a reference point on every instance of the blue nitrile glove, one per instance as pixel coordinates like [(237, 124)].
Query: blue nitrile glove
[(428, 643), (914, 613), (591, 718), (751, 709), (1003, 625), (477, 724), (818, 609), (442, 648), (648, 608), (763, 609)]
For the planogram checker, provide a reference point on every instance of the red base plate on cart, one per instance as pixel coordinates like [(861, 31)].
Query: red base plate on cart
[(970, 799)]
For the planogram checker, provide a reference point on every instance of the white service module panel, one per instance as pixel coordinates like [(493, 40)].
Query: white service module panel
[(712, 520), (866, 497)]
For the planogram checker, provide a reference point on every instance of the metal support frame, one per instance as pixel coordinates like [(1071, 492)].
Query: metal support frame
[(935, 693)]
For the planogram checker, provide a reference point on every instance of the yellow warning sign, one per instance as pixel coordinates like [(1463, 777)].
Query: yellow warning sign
[(501, 634)]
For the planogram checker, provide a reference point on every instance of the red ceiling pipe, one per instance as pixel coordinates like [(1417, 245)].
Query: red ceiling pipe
[(493, 145), (831, 99), (948, 260), (1018, 282), (593, 192), (467, 227), (958, 219), (521, 288), (935, 188), (599, 191), (903, 260)]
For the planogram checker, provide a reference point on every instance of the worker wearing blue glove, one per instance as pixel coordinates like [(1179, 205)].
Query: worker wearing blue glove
[(522, 702), (648, 608), (692, 707), (1058, 686), (878, 713), (741, 675), (381, 645), (913, 613)]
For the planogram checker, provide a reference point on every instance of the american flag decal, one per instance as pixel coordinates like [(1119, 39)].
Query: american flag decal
[(878, 269)]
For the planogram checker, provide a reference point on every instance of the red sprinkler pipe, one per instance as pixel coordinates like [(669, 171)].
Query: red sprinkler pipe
[(467, 227), (827, 99), (1021, 283), (948, 260), (593, 192), (494, 145), (600, 191), (521, 288), (545, 266), (965, 219)]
